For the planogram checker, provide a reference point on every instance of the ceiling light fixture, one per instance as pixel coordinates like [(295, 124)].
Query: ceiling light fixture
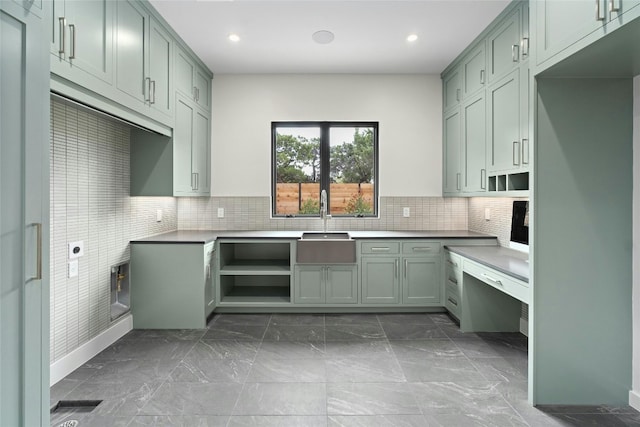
[(323, 37), (234, 37), (412, 37)]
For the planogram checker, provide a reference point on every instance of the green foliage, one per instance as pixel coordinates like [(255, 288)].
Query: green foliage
[(358, 205), (309, 206), (353, 162), (294, 156)]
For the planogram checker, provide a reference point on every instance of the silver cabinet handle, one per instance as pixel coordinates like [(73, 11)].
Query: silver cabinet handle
[(481, 76), (208, 271), (452, 301), (72, 34), (457, 94), (483, 179), (397, 266), (152, 98), (197, 181), (516, 153), (525, 46), (455, 264), (63, 42), (38, 226), (380, 249), (193, 181), (514, 52), (422, 249), (453, 280), (599, 15), (525, 151), (612, 6), (491, 279), (406, 267), (147, 89), (328, 272), (458, 181)]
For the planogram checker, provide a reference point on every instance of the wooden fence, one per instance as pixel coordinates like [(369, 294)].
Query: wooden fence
[(290, 197)]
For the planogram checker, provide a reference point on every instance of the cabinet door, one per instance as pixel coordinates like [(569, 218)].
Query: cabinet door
[(504, 46), (451, 88), (184, 74), (309, 284), (24, 185), (341, 284), (209, 282), (160, 62), (202, 88), (183, 180), (200, 152), (421, 281), (474, 70), (131, 45), (380, 284), (452, 153), (504, 122), (474, 145)]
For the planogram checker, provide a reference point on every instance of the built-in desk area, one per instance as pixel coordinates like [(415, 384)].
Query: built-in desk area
[(485, 286)]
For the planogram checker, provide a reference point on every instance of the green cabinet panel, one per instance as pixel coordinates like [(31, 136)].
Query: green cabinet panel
[(474, 66), (452, 149), (203, 89), (209, 274), (380, 281), (192, 81), (330, 284), (504, 45), (132, 24), (309, 284), (160, 69), (504, 123), (421, 280), (201, 152), (451, 87), (474, 143)]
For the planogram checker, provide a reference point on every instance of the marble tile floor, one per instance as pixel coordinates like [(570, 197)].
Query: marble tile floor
[(317, 370)]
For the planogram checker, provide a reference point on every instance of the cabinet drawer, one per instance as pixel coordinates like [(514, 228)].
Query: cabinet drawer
[(382, 248), (500, 281), (453, 303), (453, 261), (421, 248), (453, 280)]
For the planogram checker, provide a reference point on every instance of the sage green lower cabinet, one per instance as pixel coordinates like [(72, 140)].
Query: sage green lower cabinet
[(380, 281), (172, 285), (421, 280), (330, 284)]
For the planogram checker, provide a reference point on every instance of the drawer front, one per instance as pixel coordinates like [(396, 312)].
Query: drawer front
[(453, 303), (453, 280), (380, 248), (453, 261), (421, 248), (500, 281)]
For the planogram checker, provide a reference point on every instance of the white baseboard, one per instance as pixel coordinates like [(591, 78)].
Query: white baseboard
[(634, 399), (78, 357), (524, 326)]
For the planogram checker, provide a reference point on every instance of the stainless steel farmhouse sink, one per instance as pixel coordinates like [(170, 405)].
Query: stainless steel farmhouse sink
[(326, 248)]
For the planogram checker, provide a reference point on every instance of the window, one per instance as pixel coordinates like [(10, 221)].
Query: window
[(339, 157)]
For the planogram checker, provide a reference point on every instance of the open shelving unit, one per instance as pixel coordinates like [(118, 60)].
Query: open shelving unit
[(508, 183), (255, 272)]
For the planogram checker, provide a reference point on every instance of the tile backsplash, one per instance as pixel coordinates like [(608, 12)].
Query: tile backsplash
[(500, 209), (89, 159), (254, 213)]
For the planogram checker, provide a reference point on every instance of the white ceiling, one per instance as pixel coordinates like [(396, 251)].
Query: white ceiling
[(370, 36)]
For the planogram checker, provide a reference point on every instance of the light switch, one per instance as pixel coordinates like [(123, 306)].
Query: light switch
[(73, 268), (487, 214), (406, 212), (159, 215), (220, 212)]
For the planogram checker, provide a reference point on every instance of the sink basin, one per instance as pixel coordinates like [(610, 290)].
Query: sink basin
[(326, 248), (319, 235)]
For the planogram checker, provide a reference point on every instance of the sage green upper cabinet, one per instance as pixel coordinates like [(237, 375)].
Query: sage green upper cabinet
[(191, 149), (452, 150), (474, 66), (160, 69), (191, 80), (504, 121), (81, 40), (503, 44), (451, 88), (474, 121), (560, 23)]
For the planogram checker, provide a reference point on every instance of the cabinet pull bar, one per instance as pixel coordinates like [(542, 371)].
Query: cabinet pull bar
[(599, 16), (72, 34), (453, 280), (525, 46), (516, 153), (422, 249), (38, 226), (457, 94), (525, 151), (455, 264), (208, 271), (380, 249), (483, 179), (147, 89), (481, 76), (197, 181), (612, 6), (406, 267), (514, 52), (452, 301), (397, 267), (63, 42), (152, 96), (193, 181), (458, 181), (491, 279)]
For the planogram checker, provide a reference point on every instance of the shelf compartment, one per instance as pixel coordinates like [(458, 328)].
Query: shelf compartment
[(258, 289), (257, 267), (254, 256)]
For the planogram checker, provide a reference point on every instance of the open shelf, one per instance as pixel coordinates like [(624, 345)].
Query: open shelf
[(250, 267), (255, 289), (505, 183)]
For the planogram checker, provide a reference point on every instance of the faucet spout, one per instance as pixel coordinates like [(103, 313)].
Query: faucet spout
[(323, 210)]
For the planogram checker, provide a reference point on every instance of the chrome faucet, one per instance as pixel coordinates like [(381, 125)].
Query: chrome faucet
[(323, 210)]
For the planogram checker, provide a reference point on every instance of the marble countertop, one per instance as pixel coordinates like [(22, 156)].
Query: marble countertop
[(206, 236), (508, 261)]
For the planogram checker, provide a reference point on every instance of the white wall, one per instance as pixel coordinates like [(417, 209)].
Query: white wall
[(408, 108), (634, 396)]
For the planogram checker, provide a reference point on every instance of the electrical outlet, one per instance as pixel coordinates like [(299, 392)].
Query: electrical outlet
[(220, 212), (406, 212), (487, 214), (76, 249), (73, 268), (159, 215)]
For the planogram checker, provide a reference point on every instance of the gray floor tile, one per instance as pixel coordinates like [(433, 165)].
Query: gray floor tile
[(62, 388), (440, 369), (288, 370), (179, 421), (502, 369), (630, 419), (146, 349), (363, 349), (291, 350), (453, 331), (297, 319), (399, 331), (370, 399), (468, 397), (476, 347), (305, 333), (587, 409), (282, 399), (442, 319), (176, 334), (230, 331), (351, 319), (475, 420), (353, 332), (134, 371), (277, 421), (507, 347), (193, 399), (241, 319), (94, 420), (195, 369), (358, 370), (377, 421), (585, 420), (406, 319), (117, 399), (225, 349), (425, 349)]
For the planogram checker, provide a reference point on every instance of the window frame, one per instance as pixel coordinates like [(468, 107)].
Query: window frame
[(325, 165)]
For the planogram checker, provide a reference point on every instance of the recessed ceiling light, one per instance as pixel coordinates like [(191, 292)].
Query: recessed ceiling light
[(234, 37), (323, 37), (412, 37)]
